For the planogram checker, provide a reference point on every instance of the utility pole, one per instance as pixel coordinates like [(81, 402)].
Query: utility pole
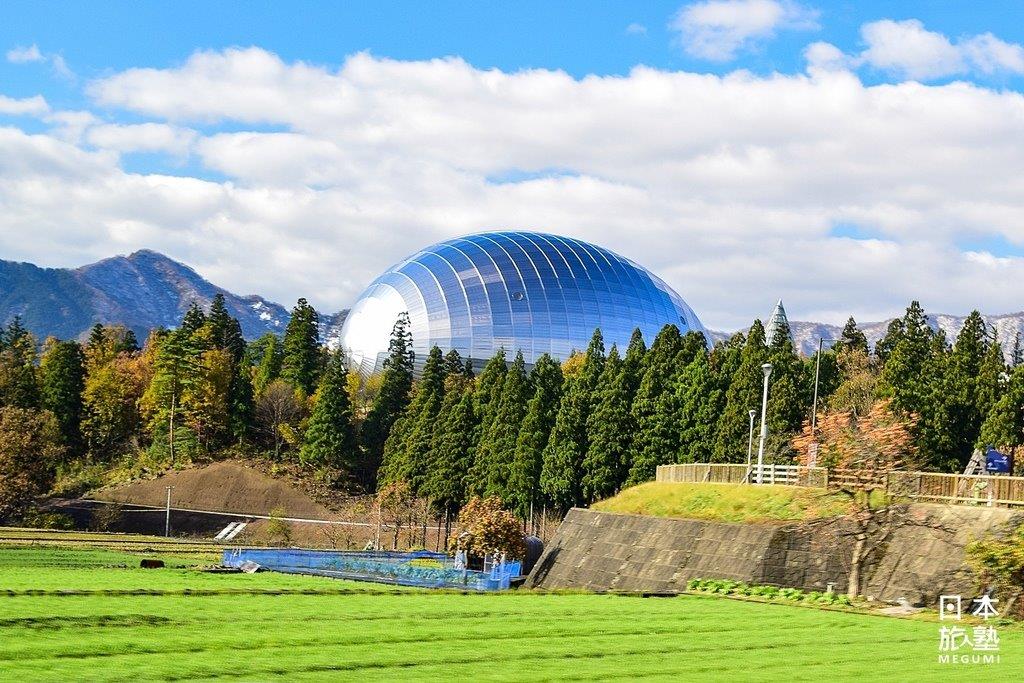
[(767, 369), (167, 513), (817, 374)]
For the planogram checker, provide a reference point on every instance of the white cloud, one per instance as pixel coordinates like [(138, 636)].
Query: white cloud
[(142, 137), (636, 29), (727, 186), (24, 55), (25, 106), (719, 29), (32, 54), (907, 49)]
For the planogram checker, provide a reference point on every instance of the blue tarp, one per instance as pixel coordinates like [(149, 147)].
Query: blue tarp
[(419, 568)]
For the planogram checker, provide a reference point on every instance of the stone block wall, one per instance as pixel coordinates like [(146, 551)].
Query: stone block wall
[(605, 551)]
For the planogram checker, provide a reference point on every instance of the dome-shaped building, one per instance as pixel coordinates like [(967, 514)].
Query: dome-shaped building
[(527, 291)]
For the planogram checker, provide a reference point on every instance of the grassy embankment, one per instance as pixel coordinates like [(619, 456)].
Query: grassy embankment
[(727, 502), (121, 623)]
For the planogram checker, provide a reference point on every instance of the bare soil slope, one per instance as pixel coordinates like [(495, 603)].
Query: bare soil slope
[(227, 486)]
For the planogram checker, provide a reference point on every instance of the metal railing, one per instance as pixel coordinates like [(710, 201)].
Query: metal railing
[(934, 487)]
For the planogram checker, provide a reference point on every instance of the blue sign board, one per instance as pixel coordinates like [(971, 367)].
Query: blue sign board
[(997, 463)]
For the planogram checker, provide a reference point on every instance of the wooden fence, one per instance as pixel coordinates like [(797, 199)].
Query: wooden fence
[(929, 487)]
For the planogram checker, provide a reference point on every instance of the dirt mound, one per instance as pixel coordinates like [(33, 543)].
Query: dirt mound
[(227, 486)]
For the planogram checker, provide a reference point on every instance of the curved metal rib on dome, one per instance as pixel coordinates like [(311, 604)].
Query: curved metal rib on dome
[(518, 291)]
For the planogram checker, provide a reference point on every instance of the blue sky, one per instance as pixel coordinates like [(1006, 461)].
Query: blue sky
[(847, 156)]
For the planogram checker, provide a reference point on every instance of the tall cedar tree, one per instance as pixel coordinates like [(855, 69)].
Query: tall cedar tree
[(225, 332), (452, 450), (193, 319), (1016, 352), (19, 386), (486, 396), (301, 361), (611, 428), (655, 436), (904, 378), (561, 477), (1004, 423), (788, 395), (743, 395), (498, 444), (699, 398), (62, 379), (452, 442), (851, 338), (390, 401), (330, 437), (885, 345), (177, 370), (268, 366), (407, 449), (541, 410)]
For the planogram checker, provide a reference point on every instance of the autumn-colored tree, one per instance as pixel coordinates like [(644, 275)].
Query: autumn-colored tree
[(860, 453), (30, 449), (485, 528), (278, 411)]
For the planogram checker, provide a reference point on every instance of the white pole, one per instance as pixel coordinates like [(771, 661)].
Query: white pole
[(750, 443), (817, 374), (167, 515), (767, 369)]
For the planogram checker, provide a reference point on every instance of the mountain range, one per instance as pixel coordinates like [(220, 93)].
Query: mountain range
[(147, 289), (142, 291)]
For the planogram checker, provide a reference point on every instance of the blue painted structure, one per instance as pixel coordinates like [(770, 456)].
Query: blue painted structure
[(518, 291), (419, 568)]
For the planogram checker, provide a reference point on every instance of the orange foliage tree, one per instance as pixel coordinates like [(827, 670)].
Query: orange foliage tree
[(486, 528), (860, 452)]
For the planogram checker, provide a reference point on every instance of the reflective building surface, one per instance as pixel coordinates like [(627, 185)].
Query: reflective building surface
[(527, 291)]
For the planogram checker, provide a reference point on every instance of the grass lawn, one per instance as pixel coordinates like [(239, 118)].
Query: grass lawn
[(129, 624), (726, 502)]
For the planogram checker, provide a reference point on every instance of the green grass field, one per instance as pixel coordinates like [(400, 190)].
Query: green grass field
[(81, 614), (726, 502)]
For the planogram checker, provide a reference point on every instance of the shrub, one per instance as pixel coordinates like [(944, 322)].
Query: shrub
[(1000, 563), (485, 528)]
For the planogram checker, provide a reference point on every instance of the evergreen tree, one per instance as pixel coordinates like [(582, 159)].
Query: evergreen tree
[(497, 447), (633, 363), (1017, 353), (176, 374), (62, 374), (452, 449), (991, 379), (390, 402), (269, 367), (654, 409), (301, 361), (904, 378), (1004, 425), (486, 395), (225, 331), (851, 338), (407, 449), (886, 344), (611, 429), (129, 342), (699, 398), (561, 473), (744, 394), (454, 365), (788, 396), (19, 385), (96, 336), (242, 400), (524, 478), (330, 438), (193, 320)]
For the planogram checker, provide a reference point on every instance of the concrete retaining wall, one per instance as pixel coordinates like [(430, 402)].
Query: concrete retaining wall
[(606, 551)]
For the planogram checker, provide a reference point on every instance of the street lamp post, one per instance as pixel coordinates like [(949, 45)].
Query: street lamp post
[(750, 442), (767, 369)]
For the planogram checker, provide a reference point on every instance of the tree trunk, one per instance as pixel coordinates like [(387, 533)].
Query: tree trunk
[(853, 585)]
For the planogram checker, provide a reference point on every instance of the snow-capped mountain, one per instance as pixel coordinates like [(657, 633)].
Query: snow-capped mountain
[(806, 334), (141, 291)]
